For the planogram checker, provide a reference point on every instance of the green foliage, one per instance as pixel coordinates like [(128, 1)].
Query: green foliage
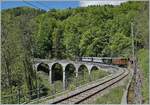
[(58, 85), (17, 69), (142, 27), (43, 36), (118, 43), (96, 74), (91, 31), (143, 60), (113, 97)]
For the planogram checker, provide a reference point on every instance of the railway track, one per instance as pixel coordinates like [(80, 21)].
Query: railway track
[(89, 92)]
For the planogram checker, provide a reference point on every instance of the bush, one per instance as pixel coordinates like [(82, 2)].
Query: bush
[(143, 61)]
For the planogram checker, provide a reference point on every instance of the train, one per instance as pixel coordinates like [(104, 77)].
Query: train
[(119, 61)]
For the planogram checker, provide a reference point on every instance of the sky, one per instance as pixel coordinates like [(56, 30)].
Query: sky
[(57, 4)]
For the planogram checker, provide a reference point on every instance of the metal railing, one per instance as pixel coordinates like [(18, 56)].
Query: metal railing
[(22, 97)]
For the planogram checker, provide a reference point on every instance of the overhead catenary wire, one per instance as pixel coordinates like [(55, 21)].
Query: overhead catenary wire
[(42, 4), (32, 5)]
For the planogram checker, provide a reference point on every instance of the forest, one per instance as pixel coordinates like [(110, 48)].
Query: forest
[(93, 31)]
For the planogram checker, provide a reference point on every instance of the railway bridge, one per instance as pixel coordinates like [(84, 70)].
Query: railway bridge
[(64, 64)]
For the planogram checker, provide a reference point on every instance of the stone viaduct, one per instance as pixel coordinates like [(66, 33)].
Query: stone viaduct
[(64, 64)]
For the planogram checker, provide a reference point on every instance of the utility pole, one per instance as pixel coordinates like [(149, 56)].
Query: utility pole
[(137, 86), (132, 42), (133, 48), (133, 58)]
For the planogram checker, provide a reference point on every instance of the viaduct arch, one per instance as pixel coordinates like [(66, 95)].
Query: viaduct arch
[(64, 64)]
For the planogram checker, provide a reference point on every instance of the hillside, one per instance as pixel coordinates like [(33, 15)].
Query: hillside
[(96, 31)]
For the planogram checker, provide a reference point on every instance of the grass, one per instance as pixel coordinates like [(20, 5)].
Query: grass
[(114, 97), (95, 74), (85, 78), (143, 60), (48, 90), (81, 80), (143, 63)]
